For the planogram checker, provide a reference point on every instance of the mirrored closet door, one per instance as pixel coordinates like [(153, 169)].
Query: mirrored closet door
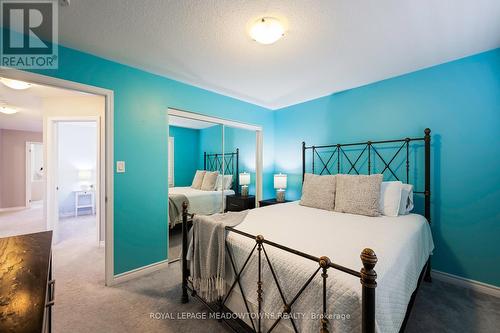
[(194, 159), (213, 165), (240, 149)]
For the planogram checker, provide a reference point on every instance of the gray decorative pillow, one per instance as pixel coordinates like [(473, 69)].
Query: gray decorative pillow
[(358, 194), (209, 181), (318, 191), (198, 179)]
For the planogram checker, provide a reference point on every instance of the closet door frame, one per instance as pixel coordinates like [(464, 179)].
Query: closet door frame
[(259, 140)]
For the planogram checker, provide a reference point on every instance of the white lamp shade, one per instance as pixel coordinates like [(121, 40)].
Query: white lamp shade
[(244, 178), (280, 181), (84, 174)]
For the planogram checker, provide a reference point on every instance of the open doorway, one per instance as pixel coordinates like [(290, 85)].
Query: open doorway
[(76, 176), (53, 119)]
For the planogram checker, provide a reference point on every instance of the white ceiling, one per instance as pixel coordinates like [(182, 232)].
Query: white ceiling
[(188, 123), (29, 104), (330, 46)]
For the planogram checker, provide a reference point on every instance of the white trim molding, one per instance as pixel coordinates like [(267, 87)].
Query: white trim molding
[(221, 121), (139, 272), (467, 283)]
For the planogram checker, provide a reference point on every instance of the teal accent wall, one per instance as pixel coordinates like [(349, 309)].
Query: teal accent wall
[(186, 154), (460, 102), (141, 100), (210, 142)]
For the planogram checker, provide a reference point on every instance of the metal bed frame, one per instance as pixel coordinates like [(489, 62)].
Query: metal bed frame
[(367, 274), (227, 162)]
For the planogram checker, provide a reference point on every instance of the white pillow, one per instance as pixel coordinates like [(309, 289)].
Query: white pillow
[(198, 179), (209, 181), (228, 182), (218, 183), (390, 198), (406, 205)]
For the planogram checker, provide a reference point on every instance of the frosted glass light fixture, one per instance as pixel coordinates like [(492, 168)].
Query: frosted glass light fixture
[(244, 182), (7, 110), (267, 30), (15, 84), (280, 186)]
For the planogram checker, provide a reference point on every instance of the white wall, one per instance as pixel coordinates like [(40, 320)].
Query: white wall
[(77, 151)]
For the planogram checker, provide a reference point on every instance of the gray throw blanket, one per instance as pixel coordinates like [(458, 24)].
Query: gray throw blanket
[(207, 252), (175, 208)]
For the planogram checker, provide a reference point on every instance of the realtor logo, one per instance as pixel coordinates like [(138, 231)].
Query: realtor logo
[(29, 34)]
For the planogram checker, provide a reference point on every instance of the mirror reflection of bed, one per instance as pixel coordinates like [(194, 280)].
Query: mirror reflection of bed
[(204, 169)]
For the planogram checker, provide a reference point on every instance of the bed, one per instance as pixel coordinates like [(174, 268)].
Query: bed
[(297, 268), (209, 202), (201, 202)]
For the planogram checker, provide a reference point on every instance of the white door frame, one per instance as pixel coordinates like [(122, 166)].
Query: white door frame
[(27, 192), (52, 173), (171, 153), (107, 197)]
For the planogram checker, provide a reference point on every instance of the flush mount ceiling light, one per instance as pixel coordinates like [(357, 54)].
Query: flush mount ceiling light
[(15, 84), (7, 110), (267, 30)]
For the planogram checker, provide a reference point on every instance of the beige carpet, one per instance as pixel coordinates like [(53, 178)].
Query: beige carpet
[(22, 221), (84, 304)]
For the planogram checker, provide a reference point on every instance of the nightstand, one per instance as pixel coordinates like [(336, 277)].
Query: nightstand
[(237, 203), (84, 200), (269, 202)]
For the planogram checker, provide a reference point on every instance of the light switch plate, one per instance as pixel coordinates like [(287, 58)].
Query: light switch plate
[(120, 166)]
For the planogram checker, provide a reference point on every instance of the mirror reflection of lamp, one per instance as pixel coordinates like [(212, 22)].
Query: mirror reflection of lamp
[(244, 182), (280, 186), (85, 176)]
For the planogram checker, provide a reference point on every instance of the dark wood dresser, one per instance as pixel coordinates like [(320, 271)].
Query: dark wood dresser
[(26, 284)]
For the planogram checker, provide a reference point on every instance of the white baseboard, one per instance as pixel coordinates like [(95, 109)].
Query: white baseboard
[(138, 272), (12, 209), (467, 283)]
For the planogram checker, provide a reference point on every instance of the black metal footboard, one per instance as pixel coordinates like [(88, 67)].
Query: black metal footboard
[(367, 276)]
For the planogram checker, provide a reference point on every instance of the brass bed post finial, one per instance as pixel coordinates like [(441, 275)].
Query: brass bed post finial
[(324, 263), (369, 283)]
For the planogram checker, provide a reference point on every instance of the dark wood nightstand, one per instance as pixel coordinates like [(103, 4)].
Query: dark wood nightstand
[(237, 203), (269, 202)]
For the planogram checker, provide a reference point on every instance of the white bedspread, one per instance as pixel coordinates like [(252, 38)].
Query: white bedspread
[(402, 244), (202, 202)]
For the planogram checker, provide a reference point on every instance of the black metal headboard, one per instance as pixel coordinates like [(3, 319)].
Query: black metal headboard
[(229, 162), (369, 153)]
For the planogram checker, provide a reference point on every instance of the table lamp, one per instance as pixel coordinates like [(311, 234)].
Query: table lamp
[(280, 186), (244, 182)]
